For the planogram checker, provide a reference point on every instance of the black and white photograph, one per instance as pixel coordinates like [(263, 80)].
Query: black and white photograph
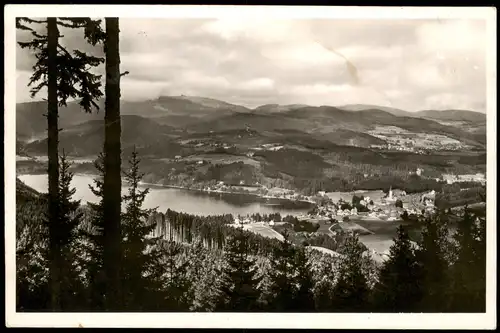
[(250, 166)]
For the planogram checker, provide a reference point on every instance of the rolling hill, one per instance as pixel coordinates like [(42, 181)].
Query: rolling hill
[(454, 115), (340, 137), (31, 123), (178, 111), (451, 115), (328, 119), (87, 138), (213, 104), (363, 107), (273, 108), (259, 122), (345, 125)]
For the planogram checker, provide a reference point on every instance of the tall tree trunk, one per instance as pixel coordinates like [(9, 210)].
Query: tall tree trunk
[(53, 168), (112, 166)]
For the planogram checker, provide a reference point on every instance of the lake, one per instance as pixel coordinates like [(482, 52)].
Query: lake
[(385, 231), (186, 201)]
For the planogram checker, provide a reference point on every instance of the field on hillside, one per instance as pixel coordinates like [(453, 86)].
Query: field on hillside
[(263, 230), (221, 159), (397, 138), (325, 251), (351, 226)]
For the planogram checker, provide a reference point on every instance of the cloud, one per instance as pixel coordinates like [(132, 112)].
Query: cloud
[(408, 64)]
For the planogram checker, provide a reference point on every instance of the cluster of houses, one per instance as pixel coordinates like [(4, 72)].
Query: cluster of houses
[(261, 190), (241, 221), (417, 172), (269, 146), (208, 143), (478, 177), (428, 199), (380, 208)]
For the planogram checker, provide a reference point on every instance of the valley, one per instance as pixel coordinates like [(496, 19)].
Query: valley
[(296, 148)]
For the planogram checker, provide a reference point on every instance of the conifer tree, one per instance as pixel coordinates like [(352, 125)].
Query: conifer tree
[(65, 75), (138, 279), (112, 164), (351, 290), (323, 295), (433, 267), (175, 284), (203, 274), (304, 297), (94, 243), (469, 270), (282, 277), (324, 276), (32, 276), (70, 218), (398, 288), (239, 292)]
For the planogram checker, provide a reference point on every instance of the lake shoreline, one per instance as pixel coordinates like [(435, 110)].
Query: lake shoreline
[(184, 188), (93, 175), (179, 199), (226, 192)]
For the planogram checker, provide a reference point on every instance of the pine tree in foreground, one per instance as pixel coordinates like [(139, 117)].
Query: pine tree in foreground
[(469, 271), (33, 256), (323, 295), (304, 297), (282, 277), (239, 292), (70, 217), (65, 75), (398, 288), (175, 284), (203, 273), (92, 236), (351, 290), (138, 265), (32, 275), (324, 270), (434, 281), (112, 182)]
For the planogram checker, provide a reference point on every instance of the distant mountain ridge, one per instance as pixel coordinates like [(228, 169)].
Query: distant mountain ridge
[(174, 115), (451, 114), (364, 107), (454, 115), (87, 138), (272, 108)]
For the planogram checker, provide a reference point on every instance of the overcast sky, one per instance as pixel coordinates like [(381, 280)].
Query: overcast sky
[(407, 64)]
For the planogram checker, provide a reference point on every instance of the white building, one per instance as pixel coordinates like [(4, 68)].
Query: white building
[(390, 196)]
